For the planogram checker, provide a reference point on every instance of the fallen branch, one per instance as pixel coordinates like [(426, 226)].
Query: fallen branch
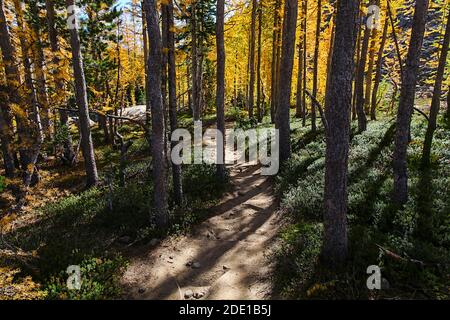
[(318, 105)]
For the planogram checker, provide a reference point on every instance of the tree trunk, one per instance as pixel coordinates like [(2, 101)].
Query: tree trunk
[(377, 80), (316, 65), (258, 76), (10, 92), (251, 90), (33, 133), (358, 56), (68, 152), (406, 104), (194, 62), (176, 169), (299, 102), (338, 106), (369, 74), (41, 81), (284, 89), (154, 95), (87, 145), (436, 100), (304, 13), (220, 91), (362, 120), (276, 33)]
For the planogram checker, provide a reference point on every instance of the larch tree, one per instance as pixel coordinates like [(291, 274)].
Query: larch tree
[(154, 95), (406, 103), (436, 99), (338, 106), (87, 145), (220, 90), (284, 86)]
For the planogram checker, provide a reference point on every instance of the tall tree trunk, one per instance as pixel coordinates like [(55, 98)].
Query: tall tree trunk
[(377, 80), (258, 75), (304, 28), (9, 96), (194, 62), (251, 90), (284, 89), (220, 91), (276, 34), (436, 100), (34, 134), (316, 65), (358, 56), (369, 74), (338, 105), (41, 81), (87, 145), (359, 84), (145, 44), (299, 97), (68, 152), (176, 169), (406, 104), (154, 95)]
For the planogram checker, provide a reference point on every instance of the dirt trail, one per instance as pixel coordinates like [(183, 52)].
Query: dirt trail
[(225, 257)]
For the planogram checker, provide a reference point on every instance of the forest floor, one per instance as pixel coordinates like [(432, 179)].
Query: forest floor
[(225, 257)]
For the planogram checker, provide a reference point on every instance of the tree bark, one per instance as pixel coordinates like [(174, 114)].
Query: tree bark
[(406, 104), (176, 169), (369, 74), (299, 97), (154, 95), (377, 80), (220, 91), (436, 100), (338, 106), (87, 145), (316, 65), (284, 89)]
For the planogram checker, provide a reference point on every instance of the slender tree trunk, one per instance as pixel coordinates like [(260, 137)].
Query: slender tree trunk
[(369, 74), (68, 152), (176, 169), (436, 100), (34, 134), (258, 76), (284, 89), (406, 104), (304, 13), (145, 44), (316, 65), (273, 94), (154, 95), (220, 91), (359, 84), (358, 56), (87, 145), (251, 91), (194, 62), (41, 81), (338, 105), (377, 80), (8, 96), (299, 104)]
